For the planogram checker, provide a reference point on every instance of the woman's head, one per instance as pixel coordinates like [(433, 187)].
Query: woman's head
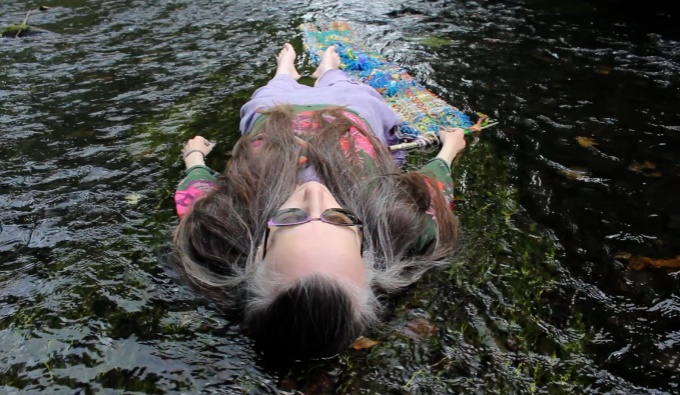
[(309, 283), (328, 243)]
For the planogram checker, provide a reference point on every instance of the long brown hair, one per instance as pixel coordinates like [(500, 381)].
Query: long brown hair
[(216, 241)]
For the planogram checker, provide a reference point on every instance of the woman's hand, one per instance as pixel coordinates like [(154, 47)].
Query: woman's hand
[(454, 137), (453, 142), (195, 151)]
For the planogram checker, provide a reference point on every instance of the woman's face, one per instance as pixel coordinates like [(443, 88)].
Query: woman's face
[(315, 247)]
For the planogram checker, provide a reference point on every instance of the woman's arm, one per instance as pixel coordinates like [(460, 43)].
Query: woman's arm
[(195, 151), (453, 142), (437, 174), (199, 179)]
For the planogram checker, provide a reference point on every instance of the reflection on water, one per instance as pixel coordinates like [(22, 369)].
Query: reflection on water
[(578, 180)]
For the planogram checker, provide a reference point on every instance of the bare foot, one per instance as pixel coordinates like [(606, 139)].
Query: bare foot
[(329, 61), (285, 61)]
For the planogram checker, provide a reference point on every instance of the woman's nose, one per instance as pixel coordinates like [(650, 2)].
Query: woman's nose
[(314, 199)]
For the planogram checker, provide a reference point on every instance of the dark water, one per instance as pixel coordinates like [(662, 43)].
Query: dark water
[(540, 299)]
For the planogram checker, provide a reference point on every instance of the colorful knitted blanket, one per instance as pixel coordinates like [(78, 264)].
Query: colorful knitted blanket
[(422, 112)]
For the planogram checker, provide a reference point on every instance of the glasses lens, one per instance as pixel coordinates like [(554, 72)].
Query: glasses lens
[(289, 217), (340, 217)]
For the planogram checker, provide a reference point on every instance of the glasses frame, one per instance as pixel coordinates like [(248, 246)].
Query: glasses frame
[(309, 218)]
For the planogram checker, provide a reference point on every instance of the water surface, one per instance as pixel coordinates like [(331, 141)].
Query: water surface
[(579, 178)]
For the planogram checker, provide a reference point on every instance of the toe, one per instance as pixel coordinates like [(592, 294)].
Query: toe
[(287, 47)]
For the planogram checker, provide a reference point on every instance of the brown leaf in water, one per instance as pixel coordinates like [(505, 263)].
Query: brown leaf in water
[(420, 328), (573, 174), (646, 168), (287, 384), (642, 262), (363, 343), (648, 164), (623, 255), (585, 142)]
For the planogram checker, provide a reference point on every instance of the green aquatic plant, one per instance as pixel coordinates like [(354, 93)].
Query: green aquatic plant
[(434, 41), (23, 29), (13, 30)]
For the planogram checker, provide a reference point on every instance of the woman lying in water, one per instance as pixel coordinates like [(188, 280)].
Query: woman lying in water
[(312, 215)]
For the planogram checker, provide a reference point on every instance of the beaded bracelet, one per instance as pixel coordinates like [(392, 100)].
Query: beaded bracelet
[(191, 152)]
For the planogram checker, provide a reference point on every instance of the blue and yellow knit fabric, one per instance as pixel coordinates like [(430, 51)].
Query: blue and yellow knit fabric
[(422, 112)]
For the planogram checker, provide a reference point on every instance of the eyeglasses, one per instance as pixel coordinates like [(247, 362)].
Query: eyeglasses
[(298, 216)]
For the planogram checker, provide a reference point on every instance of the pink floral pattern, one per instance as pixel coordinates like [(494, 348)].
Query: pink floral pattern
[(302, 124), (185, 198)]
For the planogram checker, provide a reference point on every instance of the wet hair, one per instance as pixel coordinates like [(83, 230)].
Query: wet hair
[(314, 318), (216, 241)]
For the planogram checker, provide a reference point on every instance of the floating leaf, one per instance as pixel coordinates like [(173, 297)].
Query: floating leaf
[(623, 255), (434, 42), (363, 343), (44, 8), (287, 384), (642, 262), (421, 328), (573, 174), (585, 142), (646, 168), (648, 165), (133, 198)]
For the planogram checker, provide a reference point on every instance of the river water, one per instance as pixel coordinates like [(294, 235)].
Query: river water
[(561, 204)]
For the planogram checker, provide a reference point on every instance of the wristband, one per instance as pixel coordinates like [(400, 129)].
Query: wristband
[(191, 152)]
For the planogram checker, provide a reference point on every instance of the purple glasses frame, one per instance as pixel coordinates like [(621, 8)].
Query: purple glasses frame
[(309, 218)]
